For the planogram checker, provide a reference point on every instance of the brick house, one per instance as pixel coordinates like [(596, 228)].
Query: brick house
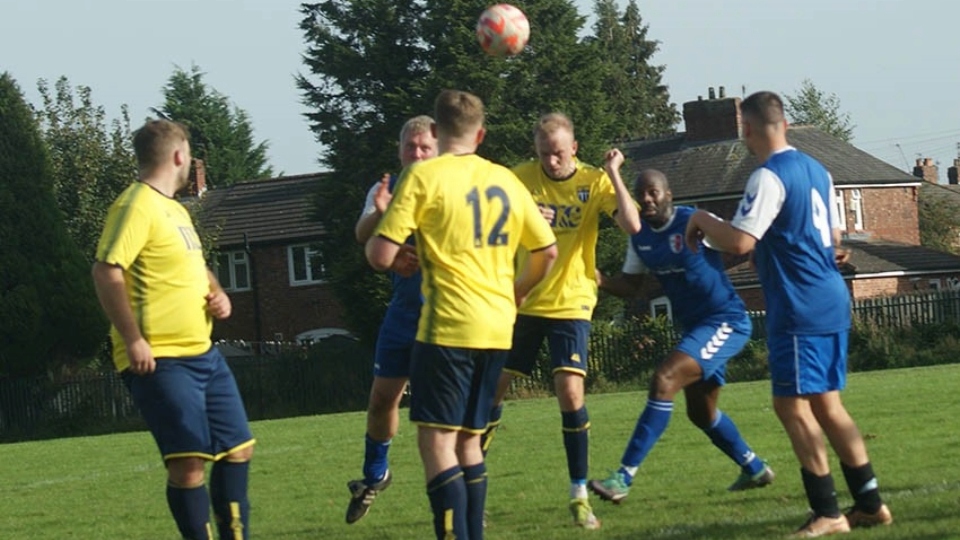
[(265, 259), (708, 167)]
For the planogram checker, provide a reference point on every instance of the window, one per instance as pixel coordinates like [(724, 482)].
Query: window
[(934, 284), (233, 271), (841, 211), (304, 265), (661, 306), (856, 206)]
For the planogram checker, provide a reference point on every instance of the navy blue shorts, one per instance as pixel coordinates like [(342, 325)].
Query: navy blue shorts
[(453, 388), (714, 341), (567, 340), (192, 407), (807, 364), (398, 332)]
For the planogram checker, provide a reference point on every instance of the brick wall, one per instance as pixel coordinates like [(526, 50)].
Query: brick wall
[(712, 119)]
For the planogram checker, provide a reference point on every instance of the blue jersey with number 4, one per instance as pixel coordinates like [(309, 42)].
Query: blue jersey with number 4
[(803, 289), (406, 290)]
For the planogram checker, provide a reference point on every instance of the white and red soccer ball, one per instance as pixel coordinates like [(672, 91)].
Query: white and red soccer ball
[(503, 30)]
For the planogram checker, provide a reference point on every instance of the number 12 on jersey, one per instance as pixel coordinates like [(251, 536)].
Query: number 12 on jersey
[(495, 236)]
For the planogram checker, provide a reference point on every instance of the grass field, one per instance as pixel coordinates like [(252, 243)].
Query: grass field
[(111, 487)]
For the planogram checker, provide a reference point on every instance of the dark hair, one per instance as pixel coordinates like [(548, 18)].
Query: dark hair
[(457, 112), (153, 142), (764, 106)]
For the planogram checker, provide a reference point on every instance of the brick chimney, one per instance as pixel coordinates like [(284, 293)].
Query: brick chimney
[(713, 119), (952, 172), (927, 170), (198, 179)]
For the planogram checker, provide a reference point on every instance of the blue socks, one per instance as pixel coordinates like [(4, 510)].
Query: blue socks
[(725, 436), (228, 493), (191, 511), (475, 478), (374, 460), (576, 441), (447, 492), (650, 426)]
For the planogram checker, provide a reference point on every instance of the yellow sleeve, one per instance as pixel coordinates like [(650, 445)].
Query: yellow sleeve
[(406, 206), (536, 230), (606, 196), (125, 232)]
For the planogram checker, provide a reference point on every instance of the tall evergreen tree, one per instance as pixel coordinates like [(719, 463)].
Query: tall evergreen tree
[(220, 133), (814, 107), (374, 63), (49, 314), (91, 163)]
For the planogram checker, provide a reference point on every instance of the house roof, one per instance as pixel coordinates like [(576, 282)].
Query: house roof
[(267, 211), (934, 193), (719, 169)]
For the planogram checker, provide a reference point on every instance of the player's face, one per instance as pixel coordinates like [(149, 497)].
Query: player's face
[(417, 147), (656, 201), (556, 152)]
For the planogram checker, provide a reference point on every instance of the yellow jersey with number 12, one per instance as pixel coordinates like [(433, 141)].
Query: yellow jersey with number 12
[(469, 216), (570, 289)]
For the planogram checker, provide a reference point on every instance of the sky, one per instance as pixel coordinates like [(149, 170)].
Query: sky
[(892, 63)]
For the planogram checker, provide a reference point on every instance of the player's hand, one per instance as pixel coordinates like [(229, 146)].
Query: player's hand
[(141, 357), (218, 304), (841, 255), (613, 160), (406, 262), (381, 199), (548, 213), (693, 236), (599, 277)]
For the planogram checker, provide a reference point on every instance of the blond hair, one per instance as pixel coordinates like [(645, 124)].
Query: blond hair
[(552, 122), (458, 112), (415, 126)]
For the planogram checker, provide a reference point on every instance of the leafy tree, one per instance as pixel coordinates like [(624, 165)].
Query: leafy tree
[(939, 225), (812, 106), (632, 83), (49, 314), (90, 164), (374, 63), (220, 133)]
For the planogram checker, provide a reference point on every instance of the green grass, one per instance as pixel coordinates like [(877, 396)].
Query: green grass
[(112, 486)]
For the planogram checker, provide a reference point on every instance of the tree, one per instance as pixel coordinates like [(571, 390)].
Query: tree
[(374, 63), (812, 106), (220, 133), (939, 225), (630, 81), (90, 164), (49, 314)]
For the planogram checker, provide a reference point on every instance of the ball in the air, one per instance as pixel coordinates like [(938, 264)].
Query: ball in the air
[(503, 30)]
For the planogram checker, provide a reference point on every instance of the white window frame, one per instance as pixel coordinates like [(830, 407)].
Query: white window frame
[(235, 259), (841, 211), (661, 302), (935, 285), (856, 206), (313, 276)]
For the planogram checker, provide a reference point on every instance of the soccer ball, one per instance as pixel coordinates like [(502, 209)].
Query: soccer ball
[(503, 30)]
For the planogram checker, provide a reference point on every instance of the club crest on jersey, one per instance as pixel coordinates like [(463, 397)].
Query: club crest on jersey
[(676, 243), (583, 193)]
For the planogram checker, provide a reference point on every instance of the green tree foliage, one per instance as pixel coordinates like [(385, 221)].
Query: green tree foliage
[(812, 106), (939, 225), (49, 314), (632, 83), (91, 163), (220, 133), (374, 63)]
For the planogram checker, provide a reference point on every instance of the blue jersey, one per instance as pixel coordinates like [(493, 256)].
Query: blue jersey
[(788, 206), (695, 283)]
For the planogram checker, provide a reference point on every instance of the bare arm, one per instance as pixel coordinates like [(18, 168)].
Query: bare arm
[(627, 217), (722, 235), (218, 303), (841, 254), (538, 264), (112, 293), (622, 285), (381, 253), (368, 221)]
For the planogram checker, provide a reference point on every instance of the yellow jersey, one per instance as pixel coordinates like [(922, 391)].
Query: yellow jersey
[(152, 238), (569, 291), (469, 217)]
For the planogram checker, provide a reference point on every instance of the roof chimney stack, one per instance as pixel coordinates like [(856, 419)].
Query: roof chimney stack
[(952, 173), (712, 119), (198, 179), (926, 169)]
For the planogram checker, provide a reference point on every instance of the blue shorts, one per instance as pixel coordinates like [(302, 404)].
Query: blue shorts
[(453, 388), (714, 341), (566, 338), (192, 407), (398, 332), (807, 364)]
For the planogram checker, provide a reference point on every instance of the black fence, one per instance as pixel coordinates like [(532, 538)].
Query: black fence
[(279, 380)]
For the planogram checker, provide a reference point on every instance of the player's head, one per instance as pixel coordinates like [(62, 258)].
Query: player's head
[(416, 140), (459, 116), (555, 144), (652, 191), (763, 121), (162, 143)]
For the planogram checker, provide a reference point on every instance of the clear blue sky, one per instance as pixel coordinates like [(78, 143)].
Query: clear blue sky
[(892, 63)]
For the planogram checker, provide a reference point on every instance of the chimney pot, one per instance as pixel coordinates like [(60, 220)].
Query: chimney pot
[(723, 92), (927, 162), (711, 93)]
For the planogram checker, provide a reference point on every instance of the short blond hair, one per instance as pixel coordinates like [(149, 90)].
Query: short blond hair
[(458, 112), (156, 140), (415, 126), (552, 122)]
